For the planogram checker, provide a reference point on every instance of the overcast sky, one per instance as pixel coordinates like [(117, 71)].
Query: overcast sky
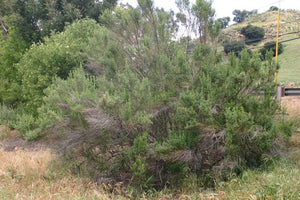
[(225, 7)]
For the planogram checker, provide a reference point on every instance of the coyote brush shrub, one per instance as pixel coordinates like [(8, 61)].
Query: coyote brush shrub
[(151, 115)]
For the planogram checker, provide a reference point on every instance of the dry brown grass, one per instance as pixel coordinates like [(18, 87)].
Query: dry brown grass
[(25, 175), (5, 132), (292, 106)]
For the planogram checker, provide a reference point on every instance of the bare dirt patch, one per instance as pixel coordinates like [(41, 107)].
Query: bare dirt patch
[(10, 141)]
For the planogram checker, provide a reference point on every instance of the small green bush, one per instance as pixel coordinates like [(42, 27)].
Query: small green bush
[(7, 115), (59, 104), (270, 46), (253, 33), (25, 123), (234, 47), (141, 177)]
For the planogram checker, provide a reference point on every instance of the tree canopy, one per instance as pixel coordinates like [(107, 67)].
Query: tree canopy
[(224, 22), (240, 16), (35, 19)]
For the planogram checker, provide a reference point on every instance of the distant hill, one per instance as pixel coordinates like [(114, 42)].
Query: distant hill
[(289, 22), (289, 60)]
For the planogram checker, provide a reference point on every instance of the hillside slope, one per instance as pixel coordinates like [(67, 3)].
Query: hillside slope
[(289, 28), (289, 62)]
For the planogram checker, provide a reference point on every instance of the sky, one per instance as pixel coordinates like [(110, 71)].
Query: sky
[(224, 8)]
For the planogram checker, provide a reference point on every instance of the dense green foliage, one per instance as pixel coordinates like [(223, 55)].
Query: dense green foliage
[(141, 109), (234, 47), (204, 13), (36, 19), (57, 56), (11, 48), (270, 46), (253, 33)]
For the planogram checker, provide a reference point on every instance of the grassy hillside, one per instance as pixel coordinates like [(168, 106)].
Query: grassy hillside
[(289, 22), (289, 60)]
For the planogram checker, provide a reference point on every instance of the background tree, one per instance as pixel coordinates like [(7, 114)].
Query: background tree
[(144, 33), (185, 16), (240, 16), (36, 19), (203, 12), (224, 22), (273, 8)]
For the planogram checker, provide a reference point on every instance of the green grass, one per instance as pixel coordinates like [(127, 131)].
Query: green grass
[(289, 62), (281, 181)]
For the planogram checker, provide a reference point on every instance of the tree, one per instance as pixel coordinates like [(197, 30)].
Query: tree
[(203, 12), (240, 16), (6, 10), (253, 33), (186, 15), (273, 8), (144, 33), (36, 19), (224, 22), (12, 48), (57, 56)]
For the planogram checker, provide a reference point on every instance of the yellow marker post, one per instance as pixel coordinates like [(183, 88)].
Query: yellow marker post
[(277, 36)]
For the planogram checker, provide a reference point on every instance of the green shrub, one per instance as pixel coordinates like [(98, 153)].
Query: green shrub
[(57, 56), (139, 173), (141, 177), (234, 47), (127, 96), (25, 123), (286, 128), (7, 115), (140, 145), (270, 46), (253, 33), (176, 114), (246, 141), (59, 104)]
